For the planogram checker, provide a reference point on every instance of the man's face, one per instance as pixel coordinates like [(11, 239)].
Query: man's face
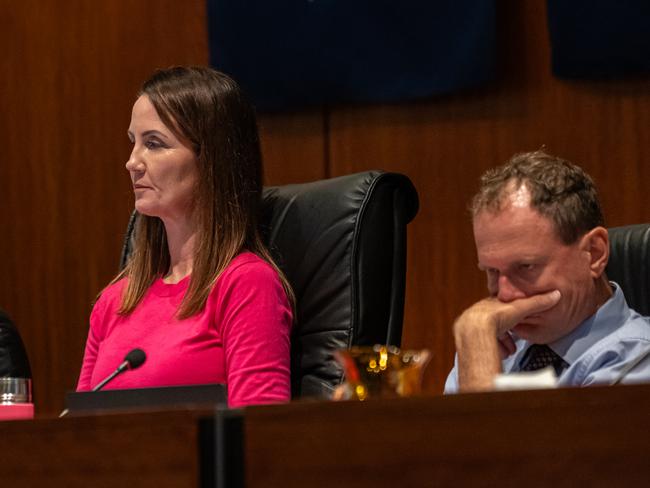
[(521, 254)]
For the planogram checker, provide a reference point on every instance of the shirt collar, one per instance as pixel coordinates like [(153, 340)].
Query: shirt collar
[(611, 315)]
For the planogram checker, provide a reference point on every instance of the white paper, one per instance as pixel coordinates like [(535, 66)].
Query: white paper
[(527, 380)]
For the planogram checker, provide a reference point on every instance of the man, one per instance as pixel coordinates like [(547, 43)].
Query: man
[(540, 240)]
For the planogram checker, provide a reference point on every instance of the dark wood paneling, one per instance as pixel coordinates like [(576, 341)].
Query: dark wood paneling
[(70, 71), (293, 147), (445, 144), (545, 438), (150, 449)]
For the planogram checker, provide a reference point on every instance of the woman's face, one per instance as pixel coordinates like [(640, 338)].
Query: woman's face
[(163, 168)]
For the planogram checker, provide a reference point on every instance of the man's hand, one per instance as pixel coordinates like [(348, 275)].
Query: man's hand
[(483, 339), (499, 317)]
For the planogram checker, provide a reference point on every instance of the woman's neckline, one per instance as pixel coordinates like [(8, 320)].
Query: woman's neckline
[(177, 282), (160, 288)]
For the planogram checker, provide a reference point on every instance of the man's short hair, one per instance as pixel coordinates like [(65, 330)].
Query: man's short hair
[(559, 190)]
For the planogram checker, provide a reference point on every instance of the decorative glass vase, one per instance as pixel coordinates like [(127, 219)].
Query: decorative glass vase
[(380, 372)]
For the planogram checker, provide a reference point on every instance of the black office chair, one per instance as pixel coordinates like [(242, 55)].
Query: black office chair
[(13, 358), (342, 244), (629, 264)]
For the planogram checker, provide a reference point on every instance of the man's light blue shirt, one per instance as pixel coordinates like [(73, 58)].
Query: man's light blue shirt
[(598, 351)]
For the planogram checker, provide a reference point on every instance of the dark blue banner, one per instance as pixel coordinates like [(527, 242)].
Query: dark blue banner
[(293, 54), (599, 39)]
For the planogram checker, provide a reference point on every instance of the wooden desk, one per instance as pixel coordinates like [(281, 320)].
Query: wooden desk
[(155, 449), (561, 438)]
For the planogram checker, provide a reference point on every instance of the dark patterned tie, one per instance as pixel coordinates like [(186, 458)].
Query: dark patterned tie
[(539, 356)]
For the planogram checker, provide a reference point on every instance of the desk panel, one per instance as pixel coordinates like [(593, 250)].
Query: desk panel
[(560, 438), (154, 449)]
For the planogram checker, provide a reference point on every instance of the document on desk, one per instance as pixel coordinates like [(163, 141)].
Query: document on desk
[(526, 380)]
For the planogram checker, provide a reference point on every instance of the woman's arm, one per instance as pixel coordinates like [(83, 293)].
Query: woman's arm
[(256, 327), (92, 346)]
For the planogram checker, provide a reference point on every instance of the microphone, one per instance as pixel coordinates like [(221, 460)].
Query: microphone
[(132, 360)]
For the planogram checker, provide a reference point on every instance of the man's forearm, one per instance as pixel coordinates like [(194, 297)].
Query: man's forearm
[(479, 360)]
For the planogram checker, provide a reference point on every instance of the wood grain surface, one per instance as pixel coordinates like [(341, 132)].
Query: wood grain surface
[(559, 438), (152, 449), (293, 147)]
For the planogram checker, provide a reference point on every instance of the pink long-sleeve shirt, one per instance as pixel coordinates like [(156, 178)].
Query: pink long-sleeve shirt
[(241, 337)]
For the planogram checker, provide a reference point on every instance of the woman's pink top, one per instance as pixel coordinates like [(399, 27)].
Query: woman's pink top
[(241, 337)]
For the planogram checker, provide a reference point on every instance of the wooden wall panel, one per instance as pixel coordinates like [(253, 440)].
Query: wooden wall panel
[(293, 146), (445, 144)]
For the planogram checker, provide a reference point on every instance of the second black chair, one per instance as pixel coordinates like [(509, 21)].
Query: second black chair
[(342, 244), (629, 264)]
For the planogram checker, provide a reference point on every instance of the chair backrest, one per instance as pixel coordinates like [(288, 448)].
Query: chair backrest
[(629, 264), (13, 358), (341, 242)]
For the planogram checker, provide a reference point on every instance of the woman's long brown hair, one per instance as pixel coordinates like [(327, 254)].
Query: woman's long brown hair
[(207, 109)]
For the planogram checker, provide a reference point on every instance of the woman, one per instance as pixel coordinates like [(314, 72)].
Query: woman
[(200, 293)]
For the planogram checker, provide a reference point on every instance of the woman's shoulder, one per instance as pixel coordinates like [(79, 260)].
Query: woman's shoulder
[(112, 294), (107, 304), (249, 270), (248, 263)]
